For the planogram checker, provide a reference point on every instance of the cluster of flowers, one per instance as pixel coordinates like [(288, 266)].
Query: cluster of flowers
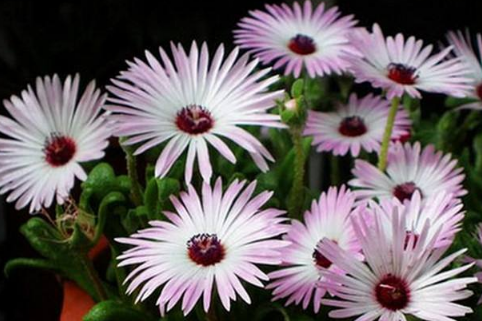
[(377, 250)]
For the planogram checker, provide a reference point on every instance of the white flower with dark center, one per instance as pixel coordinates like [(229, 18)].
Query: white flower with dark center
[(398, 279), (465, 51), (50, 133), (399, 65), (211, 243), (410, 168), (298, 38), (191, 103), (354, 126)]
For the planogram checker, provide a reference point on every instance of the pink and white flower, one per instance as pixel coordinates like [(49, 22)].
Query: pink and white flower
[(329, 218), (409, 169), (190, 103), (213, 240), (298, 38), (466, 52), (399, 278), (50, 133), (400, 65), (358, 125), (444, 213)]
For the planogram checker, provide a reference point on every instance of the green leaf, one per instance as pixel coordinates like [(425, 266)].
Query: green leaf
[(18, 263), (107, 207), (287, 115), (99, 183), (59, 252), (453, 102), (116, 311), (297, 88)]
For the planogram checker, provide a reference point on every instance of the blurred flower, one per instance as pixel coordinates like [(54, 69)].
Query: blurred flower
[(466, 53), (358, 124), (49, 135), (404, 66), (409, 169), (297, 37), (191, 103), (398, 279), (444, 213), (214, 239), (329, 217)]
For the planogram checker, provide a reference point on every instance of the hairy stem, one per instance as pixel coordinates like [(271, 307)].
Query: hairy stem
[(382, 160), (297, 192), (136, 191), (93, 277)]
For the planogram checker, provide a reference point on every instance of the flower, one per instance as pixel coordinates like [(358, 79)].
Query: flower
[(358, 124), (190, 103), (329, 217), (401, 66), (49, 135), (444, 213), (398, 278), (214, 239), (298, 37), (465, 52), (409, 169)]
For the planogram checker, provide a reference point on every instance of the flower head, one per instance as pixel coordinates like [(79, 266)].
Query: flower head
[(190, 103), (49, 134), (298, 37), (444, 213), (400, 65), (213, 240), (409, 169), (358, 124), (328, 218), (466, 52), (398, 278)]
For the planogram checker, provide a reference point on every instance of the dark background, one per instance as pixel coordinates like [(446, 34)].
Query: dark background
[(95, 38)]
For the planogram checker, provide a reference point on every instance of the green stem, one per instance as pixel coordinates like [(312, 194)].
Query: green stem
[(136, 191), (382, 160), (93, 277), (297, 191), (334, 170)]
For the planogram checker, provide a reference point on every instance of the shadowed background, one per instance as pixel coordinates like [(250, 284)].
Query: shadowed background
[(95, 38)]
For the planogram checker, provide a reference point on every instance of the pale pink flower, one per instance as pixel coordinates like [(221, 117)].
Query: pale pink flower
[(191, 103), (216, 240), (472, 57), (354, 126), (329, 217), (409, 169), (298, 38), (399, 65), (50, 133), (399, 277)]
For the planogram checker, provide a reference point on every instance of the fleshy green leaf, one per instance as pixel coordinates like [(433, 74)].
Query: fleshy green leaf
[(116, 311)]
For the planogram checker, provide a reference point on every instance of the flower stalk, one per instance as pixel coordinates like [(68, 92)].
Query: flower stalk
[(382, 160), (136, 190)]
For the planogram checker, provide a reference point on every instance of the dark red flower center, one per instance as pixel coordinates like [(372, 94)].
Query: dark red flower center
[(59, 150), (478, 90), (321, 260), (402, 74), (410, 236), (352, 126), (205, 249), (405, 191), (194, 120), (392, 293), (302, 45)]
